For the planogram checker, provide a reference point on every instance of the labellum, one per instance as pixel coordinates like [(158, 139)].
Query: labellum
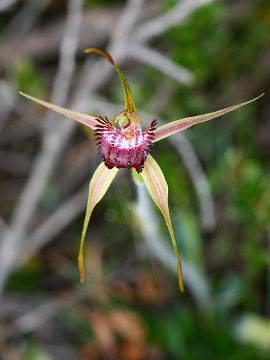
[(123, 149)]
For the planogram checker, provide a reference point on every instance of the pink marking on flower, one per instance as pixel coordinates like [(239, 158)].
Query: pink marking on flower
[(118, 150)]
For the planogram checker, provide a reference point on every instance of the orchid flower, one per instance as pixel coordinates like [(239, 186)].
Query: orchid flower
[(128, 147)]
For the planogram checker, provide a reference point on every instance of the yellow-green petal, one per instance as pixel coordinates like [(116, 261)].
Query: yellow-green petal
[(129, 103), (158, 189), (98, 187)]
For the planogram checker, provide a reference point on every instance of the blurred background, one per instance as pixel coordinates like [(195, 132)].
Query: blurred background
[(181, 58)]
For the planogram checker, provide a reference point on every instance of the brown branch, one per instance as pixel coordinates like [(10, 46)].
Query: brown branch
[(42, 44)]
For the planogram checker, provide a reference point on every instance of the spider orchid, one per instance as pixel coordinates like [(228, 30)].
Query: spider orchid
[(128, 147)]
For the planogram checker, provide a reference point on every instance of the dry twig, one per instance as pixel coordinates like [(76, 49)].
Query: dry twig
[(6, 4), (162, 63), (12, 241)]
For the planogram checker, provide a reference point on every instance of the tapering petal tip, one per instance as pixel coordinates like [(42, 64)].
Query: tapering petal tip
[(81, 268), (129, 103), (175, 126), (100, 52), (85, 119), (180, 277)]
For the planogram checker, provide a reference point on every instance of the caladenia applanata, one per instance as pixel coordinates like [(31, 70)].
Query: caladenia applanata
[(129, 147)]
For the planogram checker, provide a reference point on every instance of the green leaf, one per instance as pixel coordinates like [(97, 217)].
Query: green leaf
[(33, 352)]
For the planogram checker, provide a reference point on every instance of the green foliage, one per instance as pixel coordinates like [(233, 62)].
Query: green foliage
[(181, 334), (28, 278), (34, 352), (49, 195), (79, 325), (27, 78), (198, 41)]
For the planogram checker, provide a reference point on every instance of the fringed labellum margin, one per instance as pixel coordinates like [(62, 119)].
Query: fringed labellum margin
[(118, 150)]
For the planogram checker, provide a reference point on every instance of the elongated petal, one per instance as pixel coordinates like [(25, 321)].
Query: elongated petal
[(85, 119), (98, 187), (129, 103), (158, 190), (179, 125)]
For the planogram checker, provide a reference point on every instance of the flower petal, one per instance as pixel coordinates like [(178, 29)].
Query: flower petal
[(179, 125), (129, 103), (85, 119), (158, 189), (98, 187)]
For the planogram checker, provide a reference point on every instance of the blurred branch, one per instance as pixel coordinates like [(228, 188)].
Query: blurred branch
[(89, 82), (161, 97), (7, 101), (11, 242), (175, 16), (127, 21), (3, 226), (198, 177), (35, 318), (55, 223), (42, 44), (162, 63), (6, 4), (23, 21), (14, 163)]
